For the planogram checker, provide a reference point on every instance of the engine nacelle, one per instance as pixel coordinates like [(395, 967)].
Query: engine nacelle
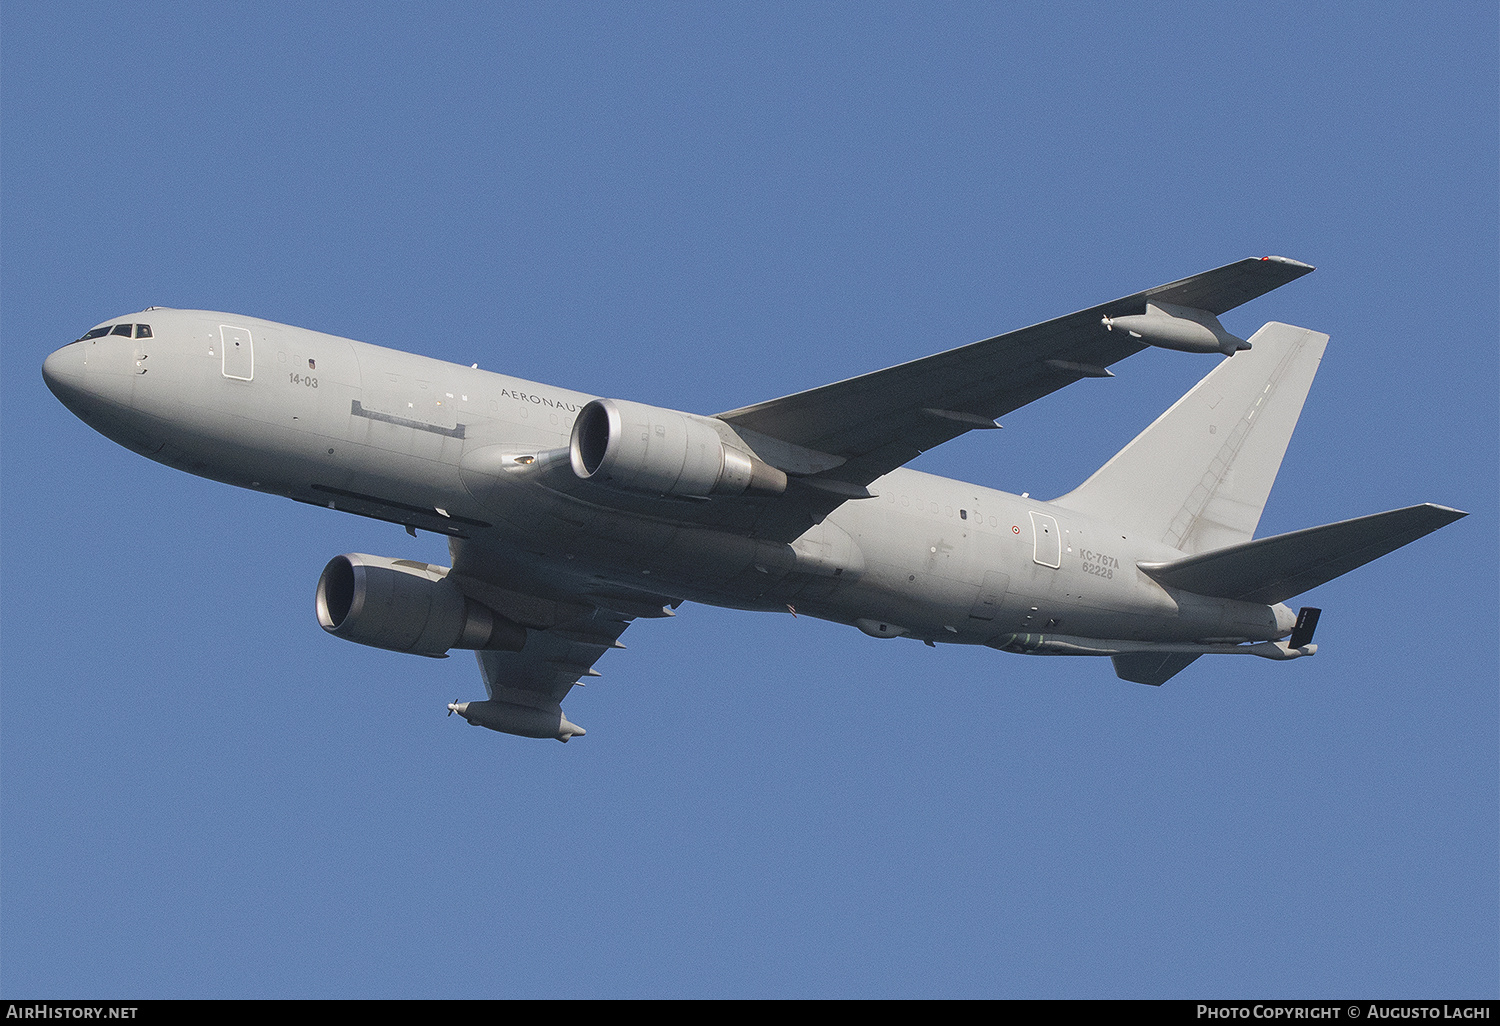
[(407, 606), (643, 448)]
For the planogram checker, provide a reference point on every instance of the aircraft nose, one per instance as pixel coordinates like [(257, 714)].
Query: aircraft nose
[(63, 372)]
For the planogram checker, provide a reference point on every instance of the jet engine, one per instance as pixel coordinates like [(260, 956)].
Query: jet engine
[(407, 606), (642, 448)]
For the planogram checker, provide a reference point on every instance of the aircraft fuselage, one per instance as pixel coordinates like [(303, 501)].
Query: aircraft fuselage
[(475, 454)]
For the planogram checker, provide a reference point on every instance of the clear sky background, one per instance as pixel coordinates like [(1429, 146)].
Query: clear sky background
[(703, 206)]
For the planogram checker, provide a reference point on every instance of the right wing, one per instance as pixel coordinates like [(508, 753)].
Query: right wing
[(869, 425)]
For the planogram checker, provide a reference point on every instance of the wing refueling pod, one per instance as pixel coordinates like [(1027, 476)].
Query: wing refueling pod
[(1182, 328)]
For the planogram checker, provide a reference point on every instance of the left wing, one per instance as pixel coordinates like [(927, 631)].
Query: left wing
[(526, 688), (566, 634), (876, 422)]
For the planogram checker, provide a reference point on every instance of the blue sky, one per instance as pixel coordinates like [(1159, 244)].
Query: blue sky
[(202, 794)]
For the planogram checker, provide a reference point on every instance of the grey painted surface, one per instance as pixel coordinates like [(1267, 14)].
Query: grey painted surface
[(545, 551)]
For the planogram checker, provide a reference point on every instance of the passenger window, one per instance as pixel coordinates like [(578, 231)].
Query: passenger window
[(122, 329), (143, 331), (96, 333)]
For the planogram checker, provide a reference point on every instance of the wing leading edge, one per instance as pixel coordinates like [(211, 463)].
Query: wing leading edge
[(879, 421)]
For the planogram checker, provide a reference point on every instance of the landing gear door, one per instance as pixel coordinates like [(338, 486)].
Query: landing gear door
[(1048, 541), (239, 354)]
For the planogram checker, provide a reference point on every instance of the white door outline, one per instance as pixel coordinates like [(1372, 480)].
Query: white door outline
[(1048, 540), (239, 352)]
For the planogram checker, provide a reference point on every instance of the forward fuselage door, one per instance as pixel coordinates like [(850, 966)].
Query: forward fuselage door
[(1047, 539), (239, 353)]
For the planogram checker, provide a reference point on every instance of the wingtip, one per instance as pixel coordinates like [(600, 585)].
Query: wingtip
[(1289, 262), (1448, 512)]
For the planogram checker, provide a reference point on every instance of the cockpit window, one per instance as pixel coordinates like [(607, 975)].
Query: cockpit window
[(139, 330)]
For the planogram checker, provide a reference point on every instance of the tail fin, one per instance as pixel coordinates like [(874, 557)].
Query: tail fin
[(1198, 478)]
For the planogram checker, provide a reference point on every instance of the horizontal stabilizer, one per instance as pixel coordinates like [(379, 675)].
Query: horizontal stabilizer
[(1275, 569), (1154, 668)]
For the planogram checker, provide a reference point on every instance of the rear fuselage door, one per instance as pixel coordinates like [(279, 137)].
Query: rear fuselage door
[(239, 353), (1048, 540)]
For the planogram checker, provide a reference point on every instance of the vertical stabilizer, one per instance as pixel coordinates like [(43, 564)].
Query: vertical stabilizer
[(1198, 478)]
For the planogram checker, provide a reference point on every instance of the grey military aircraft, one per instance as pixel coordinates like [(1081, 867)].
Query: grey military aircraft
[(570, 515)]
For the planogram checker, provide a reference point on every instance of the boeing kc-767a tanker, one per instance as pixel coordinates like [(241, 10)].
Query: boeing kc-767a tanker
[(569, 515)]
